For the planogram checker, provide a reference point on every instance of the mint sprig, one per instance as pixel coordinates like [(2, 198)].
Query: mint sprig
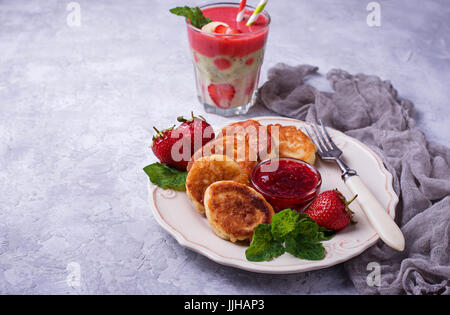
[(166, 177), (264, 246), (284, 223), (194, 15), (300, 234), (302, 247)]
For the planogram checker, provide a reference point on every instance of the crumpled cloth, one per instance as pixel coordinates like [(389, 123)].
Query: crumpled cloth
[(369, 109)]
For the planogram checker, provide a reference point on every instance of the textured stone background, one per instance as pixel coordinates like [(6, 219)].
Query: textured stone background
[(77, 106)]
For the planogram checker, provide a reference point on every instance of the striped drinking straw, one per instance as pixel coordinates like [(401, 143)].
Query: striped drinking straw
[(256, 13), (241, 11)]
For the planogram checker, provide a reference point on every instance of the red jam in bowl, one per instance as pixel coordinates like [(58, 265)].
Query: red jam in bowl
[(286, 183)]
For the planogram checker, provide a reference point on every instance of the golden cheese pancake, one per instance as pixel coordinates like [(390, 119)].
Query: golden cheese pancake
[(210, 148), (237, 149), (248, 124), (255, 134), (207, 170), (233, 210), (293, 143)]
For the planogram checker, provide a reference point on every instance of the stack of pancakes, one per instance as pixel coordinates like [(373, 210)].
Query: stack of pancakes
[(219, 174)]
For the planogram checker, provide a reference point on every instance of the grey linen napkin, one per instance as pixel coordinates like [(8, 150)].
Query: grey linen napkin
[(369, 109)]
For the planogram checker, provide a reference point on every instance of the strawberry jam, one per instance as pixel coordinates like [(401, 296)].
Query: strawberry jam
[(286, 183)]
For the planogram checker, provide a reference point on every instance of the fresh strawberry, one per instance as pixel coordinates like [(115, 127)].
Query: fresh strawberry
[(162, 147), (330, 210), (175, 146), (221, 94), (197, 130)]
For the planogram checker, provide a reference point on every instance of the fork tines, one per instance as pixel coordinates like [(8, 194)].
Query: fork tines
[(322, 140)]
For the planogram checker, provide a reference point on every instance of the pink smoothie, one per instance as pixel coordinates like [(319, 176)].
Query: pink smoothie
[(227, 66), (251, 39)]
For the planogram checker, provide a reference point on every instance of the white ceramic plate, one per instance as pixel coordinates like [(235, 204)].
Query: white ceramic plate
[(175, 213)]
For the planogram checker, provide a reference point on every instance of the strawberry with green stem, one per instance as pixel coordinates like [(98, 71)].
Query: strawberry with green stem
[(175, 146), (330, 210), (162, 145), (197, 130)]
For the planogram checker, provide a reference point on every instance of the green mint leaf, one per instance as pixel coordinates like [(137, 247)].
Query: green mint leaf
[(302, 247), (308, 228), (263, 246), (325, 234), (194, 15), (284, 223), (300, 234), (166, 177)]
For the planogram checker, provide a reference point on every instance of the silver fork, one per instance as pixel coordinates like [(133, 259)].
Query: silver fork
[(383, 224)]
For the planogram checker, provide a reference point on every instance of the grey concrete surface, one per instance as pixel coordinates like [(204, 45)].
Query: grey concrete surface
[(77, 107)]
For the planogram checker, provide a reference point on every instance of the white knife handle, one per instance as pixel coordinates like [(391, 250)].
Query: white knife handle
[(383, 224)]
